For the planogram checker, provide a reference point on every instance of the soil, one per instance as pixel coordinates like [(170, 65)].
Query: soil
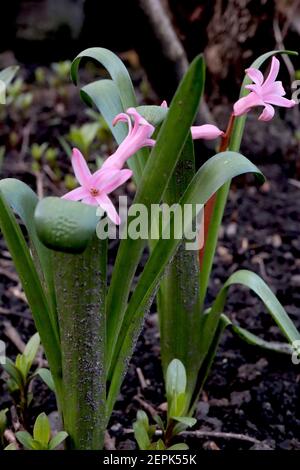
[(250, 391)]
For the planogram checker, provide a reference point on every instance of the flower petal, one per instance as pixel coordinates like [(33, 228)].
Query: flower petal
[(90, 201), (243, 105), (267, 113), (164, 104), (207, 132), (123, 117), (280, 101), (255, 75), (275, 65), (77, 194), (116, 180), (80, 168), (103, 176), (106, 204)]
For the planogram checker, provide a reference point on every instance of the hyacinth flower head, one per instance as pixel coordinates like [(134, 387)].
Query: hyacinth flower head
[(94, 188), (205, 132), (139, 135), (263, 92)]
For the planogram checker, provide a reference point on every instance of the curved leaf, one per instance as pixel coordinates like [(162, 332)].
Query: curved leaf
[(121, 90), (260, 288), (64, 225), (160, 166), (31, 284)]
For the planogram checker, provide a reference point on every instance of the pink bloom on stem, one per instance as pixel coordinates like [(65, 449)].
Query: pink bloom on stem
[(265, 93), (139, 135), (94, 188), (206, 132)]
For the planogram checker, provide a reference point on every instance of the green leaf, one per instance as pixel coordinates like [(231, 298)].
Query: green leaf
[(41, 429), (175, 378), (209, 178), (177, 404), (257, 285), (7, 74), (162, 161), (141, 435), (159, 445), (46, 376), (13, 372), (25, 439), (179, 447), (64, 225), (186, 420), (143, 418), (254, 340), (10, 447), (3, 423), (27, 272), (31, 349), (159, 422), (57, 440), (153, 114), (121, 92)]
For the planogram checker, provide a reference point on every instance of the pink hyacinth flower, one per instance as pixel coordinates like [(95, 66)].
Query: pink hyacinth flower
[(205, 132), (264, 93), (139, 135), (94, 188)]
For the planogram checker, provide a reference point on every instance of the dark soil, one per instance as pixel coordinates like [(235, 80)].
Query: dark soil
[(249, 391)]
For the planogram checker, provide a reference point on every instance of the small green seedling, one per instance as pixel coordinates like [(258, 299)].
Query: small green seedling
[(21, 375), (177, 421), (84, 136), (41, 439)]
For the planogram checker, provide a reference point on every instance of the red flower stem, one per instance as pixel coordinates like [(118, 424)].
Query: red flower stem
[(210, 205)]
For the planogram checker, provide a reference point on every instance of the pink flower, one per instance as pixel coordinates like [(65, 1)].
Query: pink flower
[(265, 93), (206, 132), (94, 188), (139, 135)]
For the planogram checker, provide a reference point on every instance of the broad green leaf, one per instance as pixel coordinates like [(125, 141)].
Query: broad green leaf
[(13, 372), (177, 404), (57, 440), (41, 430), (178, 295), (121, 92), (3, 422), (209, 178), (175, 378), (186, 420), (143, 418), (160, 166), (46, 376), (23, 202), (153, 114), (22, 365), (31, 284), (64, 225), (80, 282), (25, 439), (141, 435), (159, 445)]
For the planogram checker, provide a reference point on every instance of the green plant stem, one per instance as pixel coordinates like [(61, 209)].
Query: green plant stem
[(80, 281)]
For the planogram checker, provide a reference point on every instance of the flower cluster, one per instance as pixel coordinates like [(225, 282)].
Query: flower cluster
[(94, 188)]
